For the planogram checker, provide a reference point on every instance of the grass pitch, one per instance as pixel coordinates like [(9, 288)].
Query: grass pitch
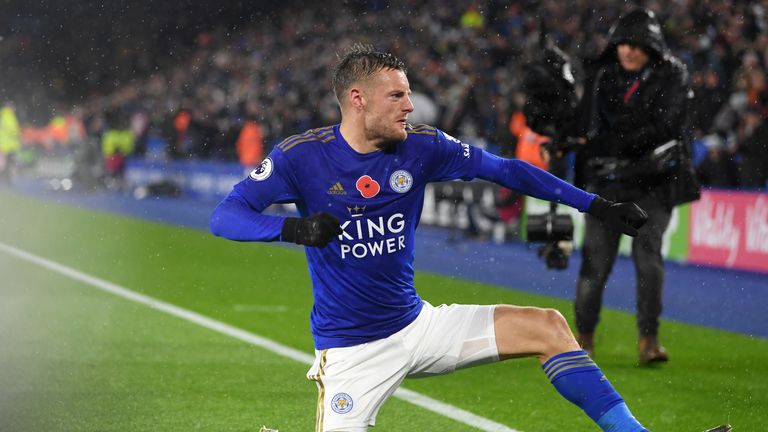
[(73, 358)]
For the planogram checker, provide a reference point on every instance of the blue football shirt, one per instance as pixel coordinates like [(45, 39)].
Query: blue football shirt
[(363, 280)]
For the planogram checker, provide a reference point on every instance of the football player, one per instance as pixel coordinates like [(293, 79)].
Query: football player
[(359, 188)]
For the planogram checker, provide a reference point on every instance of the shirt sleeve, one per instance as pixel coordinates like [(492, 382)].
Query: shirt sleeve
[(452, 159), (238, 216), (530, 180)]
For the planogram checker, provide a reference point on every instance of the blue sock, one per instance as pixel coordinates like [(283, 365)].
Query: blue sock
[(619, 419), (578, 379)]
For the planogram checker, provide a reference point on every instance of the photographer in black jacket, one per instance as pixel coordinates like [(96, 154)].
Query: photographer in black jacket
[(637, 149)]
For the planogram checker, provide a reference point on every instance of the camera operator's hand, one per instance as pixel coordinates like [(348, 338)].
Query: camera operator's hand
[(318, 229), (625, 218)]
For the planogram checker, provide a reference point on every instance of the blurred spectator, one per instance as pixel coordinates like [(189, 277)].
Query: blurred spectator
[(140, 128), (10, 141), (718, 169), (180, 140), (59, 130), (509, 207), (75, 128), (250, 145), (727, 118), (753, 149), (529, 143), (472, 18), (708, 96), (116, 145)]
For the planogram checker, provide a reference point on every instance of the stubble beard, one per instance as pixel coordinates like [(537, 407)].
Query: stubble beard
[(389, 141)]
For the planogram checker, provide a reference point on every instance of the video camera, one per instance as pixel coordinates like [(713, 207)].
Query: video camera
[(550, 110), (555, 230)]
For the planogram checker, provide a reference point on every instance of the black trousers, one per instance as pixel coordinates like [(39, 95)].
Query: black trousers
[(599, 254)]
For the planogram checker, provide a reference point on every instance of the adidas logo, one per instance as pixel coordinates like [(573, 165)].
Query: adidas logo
[(336, 189)]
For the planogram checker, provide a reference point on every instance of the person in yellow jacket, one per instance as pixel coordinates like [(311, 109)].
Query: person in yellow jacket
[(116, 144), (10, 141)]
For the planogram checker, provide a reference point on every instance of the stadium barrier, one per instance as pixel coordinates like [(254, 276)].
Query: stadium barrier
[(730, 229), (723, 229), (198, 179)]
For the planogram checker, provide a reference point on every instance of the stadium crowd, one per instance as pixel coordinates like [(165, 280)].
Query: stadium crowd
[(272, 77)]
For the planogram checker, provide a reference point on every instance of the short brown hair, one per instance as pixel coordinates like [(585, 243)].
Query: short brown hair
[(358, 62)]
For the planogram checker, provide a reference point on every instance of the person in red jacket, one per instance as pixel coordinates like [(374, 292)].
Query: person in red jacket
[(250, 144)]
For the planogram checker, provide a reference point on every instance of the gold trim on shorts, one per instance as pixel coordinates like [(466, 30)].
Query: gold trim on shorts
[(320, 392)]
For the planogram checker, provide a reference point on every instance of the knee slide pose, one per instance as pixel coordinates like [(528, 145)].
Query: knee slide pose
[(359, 187)]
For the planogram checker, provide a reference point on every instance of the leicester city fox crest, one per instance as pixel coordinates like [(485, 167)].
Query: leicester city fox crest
[(401, 181), (341, 403)]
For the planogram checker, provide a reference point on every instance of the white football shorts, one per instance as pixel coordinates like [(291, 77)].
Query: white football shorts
[(353, 382)]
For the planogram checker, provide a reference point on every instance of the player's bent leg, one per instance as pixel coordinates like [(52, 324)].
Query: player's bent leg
[(544, 333), (450, 337), (531, 331)]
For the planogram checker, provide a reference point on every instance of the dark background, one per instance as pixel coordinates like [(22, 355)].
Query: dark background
[(68, 50)]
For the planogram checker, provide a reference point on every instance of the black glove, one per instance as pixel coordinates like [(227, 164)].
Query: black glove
[(625, 217), (315, 230)]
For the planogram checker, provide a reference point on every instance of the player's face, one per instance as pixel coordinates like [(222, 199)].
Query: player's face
[(387, 108), (631, 57)]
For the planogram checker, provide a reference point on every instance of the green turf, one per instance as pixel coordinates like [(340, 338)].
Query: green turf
[(74, 358)]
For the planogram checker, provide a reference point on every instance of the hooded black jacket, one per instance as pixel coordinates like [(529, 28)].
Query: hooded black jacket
[(628, 115)]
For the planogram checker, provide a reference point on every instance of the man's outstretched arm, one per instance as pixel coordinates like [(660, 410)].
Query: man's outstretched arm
[(523, 177), (235, 219)]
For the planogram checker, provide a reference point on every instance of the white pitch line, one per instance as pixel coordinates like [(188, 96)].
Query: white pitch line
[(418, 399)]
